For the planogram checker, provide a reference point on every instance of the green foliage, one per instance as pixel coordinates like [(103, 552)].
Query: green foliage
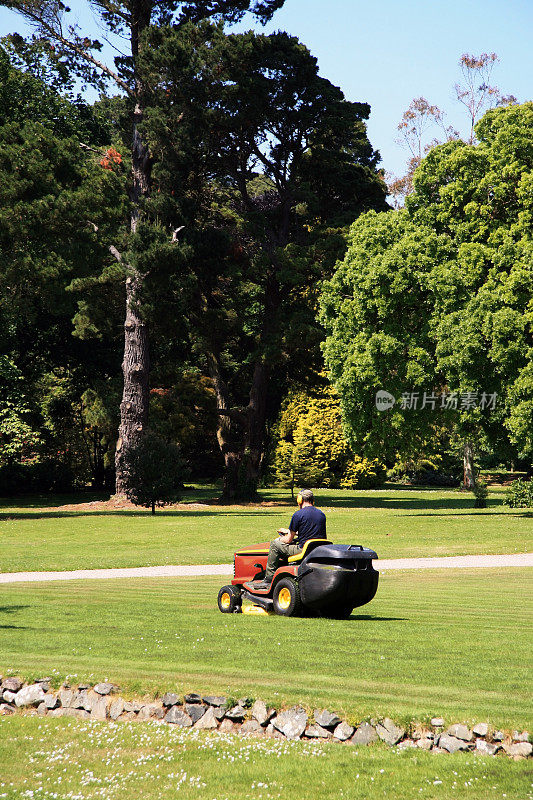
[(273, 162), (185, 412), (363, 473), (155, 472), (481, 492), (438, 296), (18, 439), (519, 494), (311, 449), (59, 211)]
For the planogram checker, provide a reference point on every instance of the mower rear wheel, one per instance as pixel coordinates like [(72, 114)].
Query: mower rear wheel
[(287, 601), (229, 600)]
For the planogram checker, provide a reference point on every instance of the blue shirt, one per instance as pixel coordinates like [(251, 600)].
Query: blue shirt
[(309, 523)]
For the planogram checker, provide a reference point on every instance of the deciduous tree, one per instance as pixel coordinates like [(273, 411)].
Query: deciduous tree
[(438, 296)]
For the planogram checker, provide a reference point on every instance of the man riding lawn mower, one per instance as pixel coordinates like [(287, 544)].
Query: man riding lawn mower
[(302, 572)]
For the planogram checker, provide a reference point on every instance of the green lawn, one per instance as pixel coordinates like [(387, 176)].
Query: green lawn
[(395, 522), (430, 643), (59, 758)]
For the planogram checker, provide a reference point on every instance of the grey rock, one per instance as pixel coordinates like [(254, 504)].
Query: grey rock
[(439, 751), (343, 731), (103, 688), (42, 710), (151, 711), (291, 723), (65, 697), (365, 734), (214, 700), (481, 729), (272, 733), (389, 732), (132, 706), (177, 716), (252, 728), (12, 684), (245, 702), (128, 716), (82, 687), (498, 736), (437, 722), (326, 719), (219, 712), (9, 696), (261, 713), (51, 701), (6, 710), (519, 749), (317, 732), (116, 708), (79, 699), (194, 711), (422, 733), (78, 713), (171, 699), (207, 721), (227, 726), (237, 713), (193, 697), (460, 732), (425, 743), (451, 743), (99, 709), (521, 737), (406, 744), (486, 748), (30, 696)]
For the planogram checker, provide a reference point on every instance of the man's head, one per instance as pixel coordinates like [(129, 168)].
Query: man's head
[(307, 497)]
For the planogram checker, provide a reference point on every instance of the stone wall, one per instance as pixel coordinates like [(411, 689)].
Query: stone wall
[(103, 702)]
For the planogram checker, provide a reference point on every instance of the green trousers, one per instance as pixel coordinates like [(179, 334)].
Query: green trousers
[(278, 555)]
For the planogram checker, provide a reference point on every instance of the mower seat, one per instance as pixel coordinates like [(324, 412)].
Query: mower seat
[(309, 545)]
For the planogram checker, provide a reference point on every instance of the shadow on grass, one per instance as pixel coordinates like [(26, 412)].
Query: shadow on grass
[(477, 513), (13, 627), (11, 609), (388, 498), (370, 618)]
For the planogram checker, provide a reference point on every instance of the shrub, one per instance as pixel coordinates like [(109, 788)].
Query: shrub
[(155, 472), (481, 492), (519, 494), (363, 473)]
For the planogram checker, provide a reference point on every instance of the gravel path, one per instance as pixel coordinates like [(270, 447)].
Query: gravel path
[(383, 564)]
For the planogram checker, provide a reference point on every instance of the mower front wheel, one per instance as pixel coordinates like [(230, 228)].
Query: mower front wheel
[(229, 600), (287, 601)]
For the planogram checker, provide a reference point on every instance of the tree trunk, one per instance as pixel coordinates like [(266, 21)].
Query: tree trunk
[(153, 506), (240, 433), (135, 397), (469, 476), (136, 363)]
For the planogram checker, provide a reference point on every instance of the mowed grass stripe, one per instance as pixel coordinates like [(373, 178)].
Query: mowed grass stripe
[(432, 642), (395, 522)]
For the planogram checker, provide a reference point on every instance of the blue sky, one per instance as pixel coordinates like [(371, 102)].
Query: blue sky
[(390, 51)]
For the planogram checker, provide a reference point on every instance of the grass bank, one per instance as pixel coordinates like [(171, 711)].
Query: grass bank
[(67, 758), (37, 535), (430, 643)]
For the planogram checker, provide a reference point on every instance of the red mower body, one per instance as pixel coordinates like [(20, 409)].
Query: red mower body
[(251, 561)]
